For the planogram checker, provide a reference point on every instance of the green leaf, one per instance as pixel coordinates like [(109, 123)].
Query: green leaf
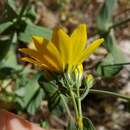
[(88, 125), (31, 30), (71, 125), (12, 5), (8, 63), (10, 60), (44, 124), (52, 94), (4, 48), (111, 64), (54, 100), (9, 12), (5, 26), (31, 13), (28, 89), (108, 67), (49, 86), (35, 102), (6, 72), (104, 19)]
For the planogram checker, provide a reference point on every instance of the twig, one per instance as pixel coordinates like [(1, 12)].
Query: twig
[(108, 93)]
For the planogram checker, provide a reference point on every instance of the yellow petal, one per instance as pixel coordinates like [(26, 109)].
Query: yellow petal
[(48, 48), (31, 53), (41, 58), (27, 59), (38, 41), (52, 52), (79, 39), (63, 43), (88, 51), (55, 37), (79, 72)]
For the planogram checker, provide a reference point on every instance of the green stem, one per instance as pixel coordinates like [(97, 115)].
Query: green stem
[(67, 108), (77, 107), (80, 116), (108, 93), (118, 24), (74, 102)]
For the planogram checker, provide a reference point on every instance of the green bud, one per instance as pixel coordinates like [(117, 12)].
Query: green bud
[(89, 81)]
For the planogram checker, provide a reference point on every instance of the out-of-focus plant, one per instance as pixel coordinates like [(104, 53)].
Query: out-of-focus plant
[(16, 26), (115, 58)]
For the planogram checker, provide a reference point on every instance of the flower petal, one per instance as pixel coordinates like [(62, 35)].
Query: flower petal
[(63, 43), (38, 41), (33, 61), (41, 58), (78, 39), (79, 72), (88, 51), (31, 53), (48, 56), (55, 37), (53, 53), (47, 47)]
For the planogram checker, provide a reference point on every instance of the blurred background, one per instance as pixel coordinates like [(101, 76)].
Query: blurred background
[(110, 64)]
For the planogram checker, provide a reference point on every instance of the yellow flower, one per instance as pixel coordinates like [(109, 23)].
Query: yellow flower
[(89, 81), (79, 72), (62, 51)]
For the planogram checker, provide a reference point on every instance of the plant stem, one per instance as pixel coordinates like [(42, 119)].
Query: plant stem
[(74, 102), (80, 116), (119, 23), (108, 93), (77, 107), (67, 108)]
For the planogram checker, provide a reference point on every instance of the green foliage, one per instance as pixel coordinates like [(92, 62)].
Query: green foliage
[(88, 84), (52, 93), (108, 67), (31, 30), (5, 26), (71, 125), (35, 101), (4, 47), (28, 94), (104, 19), (111, 64), (44, 124), (27, 91), (88, 125), (16, 25), (10, 11)]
